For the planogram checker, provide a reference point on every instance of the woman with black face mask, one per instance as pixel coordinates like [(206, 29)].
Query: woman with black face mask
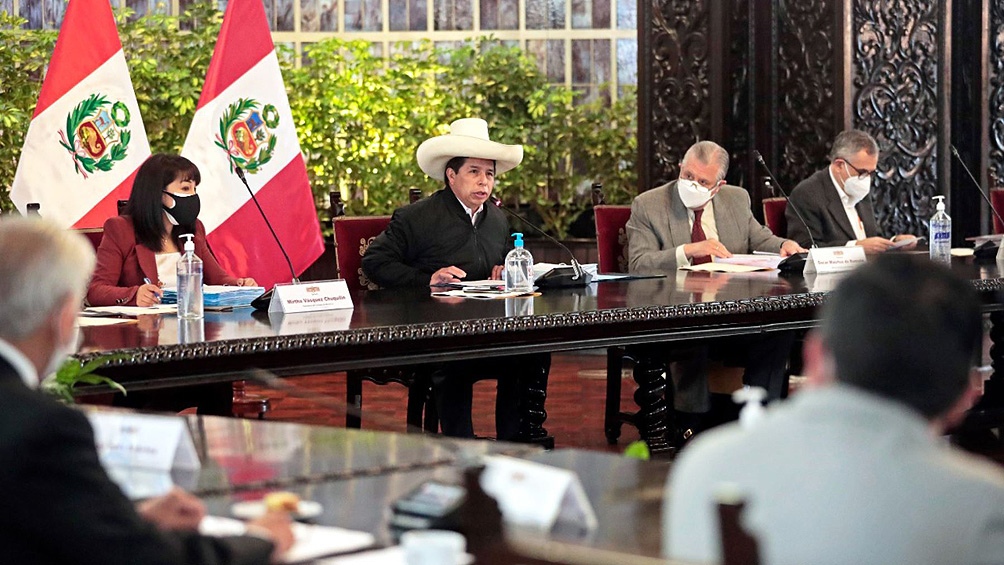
[(139, 252)]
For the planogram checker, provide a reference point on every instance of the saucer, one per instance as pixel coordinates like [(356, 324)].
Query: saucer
[(251, 509)]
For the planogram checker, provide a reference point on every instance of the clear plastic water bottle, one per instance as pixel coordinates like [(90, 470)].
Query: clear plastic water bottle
[(941, 234), (519, 268), (189, 282)]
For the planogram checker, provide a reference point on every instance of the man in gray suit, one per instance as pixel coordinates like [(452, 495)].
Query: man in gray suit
[(691, 220), (663, 233), (835, 202), (851, 470)]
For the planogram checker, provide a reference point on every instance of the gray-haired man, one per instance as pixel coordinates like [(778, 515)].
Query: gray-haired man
[(834, 201)]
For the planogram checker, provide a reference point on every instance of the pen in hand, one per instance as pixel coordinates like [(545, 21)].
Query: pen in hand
[(156, 297)]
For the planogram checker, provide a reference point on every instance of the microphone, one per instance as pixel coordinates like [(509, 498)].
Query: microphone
[(558, 277), (759, 159), (263, 301), (979, 188)]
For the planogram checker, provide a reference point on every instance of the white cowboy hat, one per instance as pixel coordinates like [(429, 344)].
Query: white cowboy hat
[(468, 137)]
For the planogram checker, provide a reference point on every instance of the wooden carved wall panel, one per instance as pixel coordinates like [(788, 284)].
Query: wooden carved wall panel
[(681, 114), (807, 97), (996, 157), (737, 127), (896, 85)]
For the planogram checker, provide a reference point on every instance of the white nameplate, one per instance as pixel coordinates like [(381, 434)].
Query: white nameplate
[(824, 260), (160, 443), (535, 495), (310, 297)]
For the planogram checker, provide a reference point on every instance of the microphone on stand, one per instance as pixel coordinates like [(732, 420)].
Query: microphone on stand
[(986, 248), (558, 277), (263, 301), (794, 262)]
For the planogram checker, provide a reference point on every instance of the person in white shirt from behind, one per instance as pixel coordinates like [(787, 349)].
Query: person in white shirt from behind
[(852, 470)]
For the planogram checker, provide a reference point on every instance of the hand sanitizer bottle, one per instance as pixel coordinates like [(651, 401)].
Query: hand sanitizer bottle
[(941, 234), (519, 268), (189, 282)]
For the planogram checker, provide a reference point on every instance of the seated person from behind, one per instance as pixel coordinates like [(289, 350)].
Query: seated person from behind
[(835, 202), (145, 244), (852, 469), (449, 236), (61, 505), (691, 220)]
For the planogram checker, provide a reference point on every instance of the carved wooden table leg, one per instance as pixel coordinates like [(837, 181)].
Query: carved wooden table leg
[(533, 393), (653, 398)]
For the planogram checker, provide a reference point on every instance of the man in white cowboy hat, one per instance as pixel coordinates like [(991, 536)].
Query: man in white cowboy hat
[(449, 236)]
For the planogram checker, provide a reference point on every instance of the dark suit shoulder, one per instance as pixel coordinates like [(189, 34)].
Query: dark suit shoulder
[(813, 184)]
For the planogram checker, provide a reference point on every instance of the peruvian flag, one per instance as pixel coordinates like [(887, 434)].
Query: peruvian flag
[(243, 120), (86, 139)]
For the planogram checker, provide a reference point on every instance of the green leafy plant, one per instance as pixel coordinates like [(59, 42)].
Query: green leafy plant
[(72, 372), (360, 115)]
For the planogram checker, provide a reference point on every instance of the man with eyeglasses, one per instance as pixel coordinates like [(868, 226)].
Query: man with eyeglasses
[(835, 203), (690, 221)]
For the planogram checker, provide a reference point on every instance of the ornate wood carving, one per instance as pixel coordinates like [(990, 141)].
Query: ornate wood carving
[(996, 160), (681, 113), (806, 95), (896, 86), (737, 128)]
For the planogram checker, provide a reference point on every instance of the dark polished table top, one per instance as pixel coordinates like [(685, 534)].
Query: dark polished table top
[(356, 475), (393, 327)]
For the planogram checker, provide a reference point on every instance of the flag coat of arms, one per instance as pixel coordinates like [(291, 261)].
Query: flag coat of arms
[(86, 138), (243, 120)]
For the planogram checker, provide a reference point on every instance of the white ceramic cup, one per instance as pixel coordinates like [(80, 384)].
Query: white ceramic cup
[(433, 547)]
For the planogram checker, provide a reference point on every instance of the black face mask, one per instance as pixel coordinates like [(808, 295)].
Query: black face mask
[(185, 211)]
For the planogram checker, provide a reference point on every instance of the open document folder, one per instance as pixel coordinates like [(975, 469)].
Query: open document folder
[(738, 263)]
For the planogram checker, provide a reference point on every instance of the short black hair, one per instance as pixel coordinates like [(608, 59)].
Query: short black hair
[(906, 329), (455, 164), (145, 204)]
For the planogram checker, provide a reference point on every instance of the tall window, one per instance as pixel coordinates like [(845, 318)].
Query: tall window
[(582, 44)]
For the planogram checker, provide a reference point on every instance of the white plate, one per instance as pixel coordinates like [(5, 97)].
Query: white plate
[(962, 252), (251, 509)]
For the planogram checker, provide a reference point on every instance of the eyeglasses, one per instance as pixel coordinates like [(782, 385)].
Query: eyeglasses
[(861, 173), (703, 184)]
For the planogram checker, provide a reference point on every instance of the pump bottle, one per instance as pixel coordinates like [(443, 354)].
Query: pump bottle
[(189, 282), (518, 268)]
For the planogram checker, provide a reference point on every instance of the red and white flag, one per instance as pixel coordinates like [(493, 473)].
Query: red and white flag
[(243, 119), (86, 138)]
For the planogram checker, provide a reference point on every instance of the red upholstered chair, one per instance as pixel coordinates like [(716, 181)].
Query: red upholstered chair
[(773, 215), (612, 244), (611, 237), (997, 199), (353, 235)]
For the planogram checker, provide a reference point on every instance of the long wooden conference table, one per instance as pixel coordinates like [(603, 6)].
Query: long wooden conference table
[(395, 327)]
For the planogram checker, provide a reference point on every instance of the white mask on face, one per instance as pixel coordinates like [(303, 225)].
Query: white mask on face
[(856, 188), (693, 195), (61, 352)]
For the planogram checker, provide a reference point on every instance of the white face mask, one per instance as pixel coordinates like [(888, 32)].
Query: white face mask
[(60, 353), (855, 187), (693, 195)]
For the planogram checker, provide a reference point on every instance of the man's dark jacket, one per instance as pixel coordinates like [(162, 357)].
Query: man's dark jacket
[(818, 201), (433, 233), (61, 507)]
